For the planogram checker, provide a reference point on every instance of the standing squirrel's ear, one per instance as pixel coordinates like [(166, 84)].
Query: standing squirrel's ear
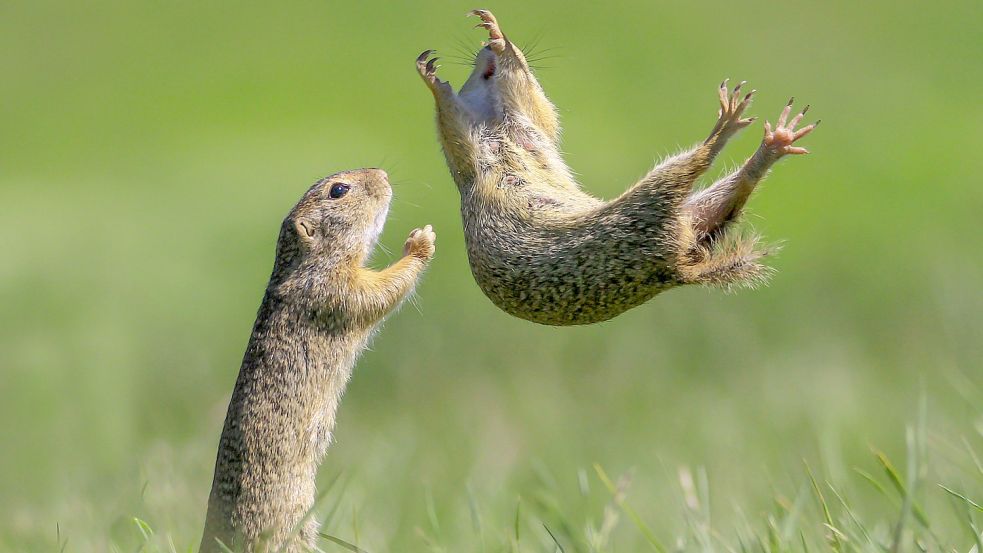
[(305, 228)]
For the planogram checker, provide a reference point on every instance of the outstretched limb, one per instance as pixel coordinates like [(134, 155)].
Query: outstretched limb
[(379, 292), (453, 117), (519, 91), (716, 206), (675, 176)]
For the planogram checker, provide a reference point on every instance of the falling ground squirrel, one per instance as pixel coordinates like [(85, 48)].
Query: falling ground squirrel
[(320, 308), (543, 249)]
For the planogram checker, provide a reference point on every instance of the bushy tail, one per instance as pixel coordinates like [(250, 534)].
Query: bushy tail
[(731, 260)]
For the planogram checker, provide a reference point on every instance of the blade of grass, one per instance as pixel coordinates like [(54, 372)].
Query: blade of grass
[(637, 520), (899, 486), (432, 511), (225, 548), (791, 516), (835, 535), (968, 501), (556, 541), (349, 546), (873, 482), (972, 455), (850, 513), (966, 517), (907, 500), (145, 530)]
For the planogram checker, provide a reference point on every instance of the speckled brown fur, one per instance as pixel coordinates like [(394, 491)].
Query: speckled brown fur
[(320, 308), (543, 249)]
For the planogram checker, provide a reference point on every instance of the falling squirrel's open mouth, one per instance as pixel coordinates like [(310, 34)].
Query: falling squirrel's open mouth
[(490, 70)]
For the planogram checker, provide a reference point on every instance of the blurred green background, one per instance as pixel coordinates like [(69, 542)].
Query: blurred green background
[(149, 151)]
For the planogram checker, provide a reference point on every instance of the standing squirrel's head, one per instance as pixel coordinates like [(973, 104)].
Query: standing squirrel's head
[(338, 220)]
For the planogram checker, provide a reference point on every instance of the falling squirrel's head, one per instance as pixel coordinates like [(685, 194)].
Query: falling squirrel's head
[(338, 220), (479, 90)]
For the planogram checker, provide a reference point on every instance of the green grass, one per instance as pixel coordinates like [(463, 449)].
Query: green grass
[(812, 516), (149, 151)]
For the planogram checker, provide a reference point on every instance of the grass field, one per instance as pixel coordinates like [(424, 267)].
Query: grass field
[(150, 149)]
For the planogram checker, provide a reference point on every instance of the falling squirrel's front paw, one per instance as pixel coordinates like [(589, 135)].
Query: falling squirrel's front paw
[(778, 142), (420, 243)]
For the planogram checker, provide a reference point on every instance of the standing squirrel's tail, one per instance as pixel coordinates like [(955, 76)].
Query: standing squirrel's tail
[(732, 259)]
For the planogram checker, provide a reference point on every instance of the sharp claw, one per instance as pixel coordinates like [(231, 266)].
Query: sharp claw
[(431, 65), (749, 94), (805, 109), (783, 117), (723, 84), (426, 54), (739, 85), (803, 131), (816, 124), (790, 101)]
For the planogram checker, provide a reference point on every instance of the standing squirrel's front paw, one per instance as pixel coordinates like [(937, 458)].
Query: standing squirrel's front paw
[(420, 243), (729, 119), (778, 142)]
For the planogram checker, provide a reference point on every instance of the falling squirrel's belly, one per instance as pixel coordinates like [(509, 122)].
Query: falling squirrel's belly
[(559, 274)]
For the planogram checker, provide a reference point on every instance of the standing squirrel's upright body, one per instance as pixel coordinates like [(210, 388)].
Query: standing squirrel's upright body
[(544, 250), (319, 310)]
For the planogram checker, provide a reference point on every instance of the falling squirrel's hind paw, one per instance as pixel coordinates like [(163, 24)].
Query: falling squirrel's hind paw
[(732, 107), (496, 40), (780, 139)]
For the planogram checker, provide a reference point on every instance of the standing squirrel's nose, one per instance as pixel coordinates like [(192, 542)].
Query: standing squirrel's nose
[(377, 182), (375, 172)]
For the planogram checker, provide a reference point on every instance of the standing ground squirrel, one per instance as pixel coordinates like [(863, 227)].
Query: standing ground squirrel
[(544, 250), (320, 308)]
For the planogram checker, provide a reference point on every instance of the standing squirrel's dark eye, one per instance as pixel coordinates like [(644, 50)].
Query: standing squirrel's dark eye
[(338, 190)]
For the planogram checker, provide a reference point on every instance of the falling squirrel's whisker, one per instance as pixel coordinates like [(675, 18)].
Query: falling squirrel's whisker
[(543, 249)]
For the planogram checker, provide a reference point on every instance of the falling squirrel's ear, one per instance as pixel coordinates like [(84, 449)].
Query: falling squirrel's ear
[(305, 228)]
